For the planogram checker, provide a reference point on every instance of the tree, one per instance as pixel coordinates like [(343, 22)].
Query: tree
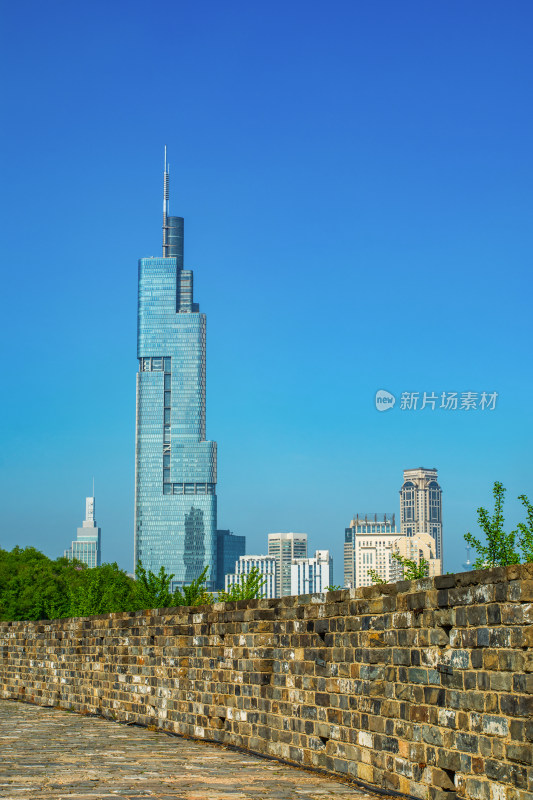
[(151, 590), (525, 531), (248, 588), (375, 577), (412, 571), (499, 550), (195, 594), (32, 586), (101, 590)]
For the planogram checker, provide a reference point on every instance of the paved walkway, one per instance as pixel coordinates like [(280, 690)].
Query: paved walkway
[(46, 753)]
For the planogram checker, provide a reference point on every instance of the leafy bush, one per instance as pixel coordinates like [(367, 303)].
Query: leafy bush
[(500, 548), (249, 587), (411, 570), (33, 586)]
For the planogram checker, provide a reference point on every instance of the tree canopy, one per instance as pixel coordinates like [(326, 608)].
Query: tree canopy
[(33, 586)]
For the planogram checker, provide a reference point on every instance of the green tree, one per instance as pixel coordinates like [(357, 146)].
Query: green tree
[(375, 577), (151, 590), (248, 588), (499, 549), (33, 586), (525, 531), (195, 594), (101, 590), (412, 571)]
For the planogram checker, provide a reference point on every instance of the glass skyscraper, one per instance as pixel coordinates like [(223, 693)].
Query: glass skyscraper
[(175, 467), (229, 549)]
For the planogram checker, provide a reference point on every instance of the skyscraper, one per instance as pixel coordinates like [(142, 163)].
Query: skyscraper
[(285, 547), (421, 505), (175, 466), (229, 548), (87, 547)]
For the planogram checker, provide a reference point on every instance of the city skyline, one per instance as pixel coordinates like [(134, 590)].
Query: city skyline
[(357, 189)]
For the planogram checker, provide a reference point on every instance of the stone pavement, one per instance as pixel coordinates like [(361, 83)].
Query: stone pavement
[(47, 753)]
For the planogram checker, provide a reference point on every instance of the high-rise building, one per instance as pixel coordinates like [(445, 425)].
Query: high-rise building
[(175, 466), (415, 548), (87, 547), (229, 549), (312, 575), (368, 544), (285, 547), (267, 571), (421, 505)]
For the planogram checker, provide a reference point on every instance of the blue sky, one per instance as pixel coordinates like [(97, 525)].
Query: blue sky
[(356, 185)]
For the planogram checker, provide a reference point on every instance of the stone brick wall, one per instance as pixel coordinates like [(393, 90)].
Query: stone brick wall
[(422, 688)]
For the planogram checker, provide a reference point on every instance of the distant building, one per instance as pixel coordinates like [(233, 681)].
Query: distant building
[(415, 548), (421, 505), (367, 546), (229, 548), (285, 547), (312, 575), (267, 570), (87, 547)]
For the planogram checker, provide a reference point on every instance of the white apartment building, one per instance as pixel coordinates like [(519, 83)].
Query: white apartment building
[(312, 575), (421, 505), (367, 546), (285, 547), (267, 570)]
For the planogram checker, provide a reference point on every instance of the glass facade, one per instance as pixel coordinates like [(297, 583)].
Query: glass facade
[(175, 467), (229, 549)]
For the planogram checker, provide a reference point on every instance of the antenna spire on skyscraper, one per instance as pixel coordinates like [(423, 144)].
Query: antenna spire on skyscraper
[(165, 207)]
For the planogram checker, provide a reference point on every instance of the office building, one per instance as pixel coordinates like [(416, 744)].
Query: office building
[(175, 466), (421, 505), (229, 549), (312, 575), (267, 571), (368, 544), (87, 547), (415, 548), (285, 547)]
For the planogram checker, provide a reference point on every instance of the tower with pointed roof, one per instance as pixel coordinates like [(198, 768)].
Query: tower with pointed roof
[(175, 465), (87, 547)]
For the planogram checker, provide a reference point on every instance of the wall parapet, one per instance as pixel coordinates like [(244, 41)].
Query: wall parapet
[(423, 688)]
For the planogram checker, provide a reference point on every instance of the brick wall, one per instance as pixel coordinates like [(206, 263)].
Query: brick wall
[(423, 688)]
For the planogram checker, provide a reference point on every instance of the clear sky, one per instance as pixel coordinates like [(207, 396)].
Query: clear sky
[(356, 182)]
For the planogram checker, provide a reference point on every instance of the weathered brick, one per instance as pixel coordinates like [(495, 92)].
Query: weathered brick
[(365, 675), (520, 752)]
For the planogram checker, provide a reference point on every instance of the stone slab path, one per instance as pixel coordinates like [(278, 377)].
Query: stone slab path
[(46, 753)]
